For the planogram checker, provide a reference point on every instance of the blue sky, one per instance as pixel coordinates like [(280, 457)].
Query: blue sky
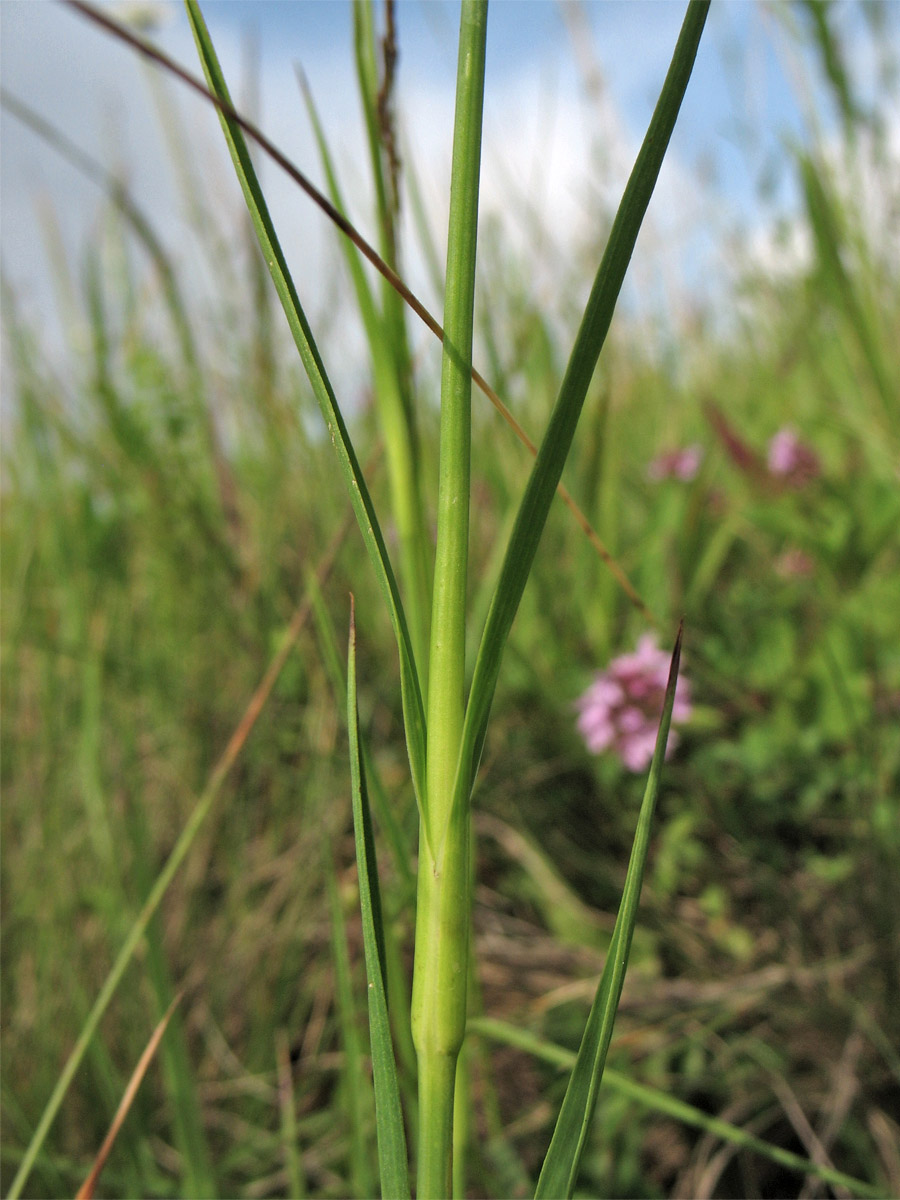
[(544, 131)]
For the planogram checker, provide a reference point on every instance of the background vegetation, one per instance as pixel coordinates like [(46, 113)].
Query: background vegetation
[(167, 499)]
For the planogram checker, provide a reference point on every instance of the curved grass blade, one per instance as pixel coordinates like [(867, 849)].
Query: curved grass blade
[(355, 1100), (392, 1159), (413, 709), (557, 441), (560, 1168), (661, 1102)]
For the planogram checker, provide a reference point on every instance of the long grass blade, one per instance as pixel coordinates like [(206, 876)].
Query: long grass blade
[(413, 709), (386, 338), (554, 449), (560, 1168), (332, 659), (402, 857), (356, 1101), (392, 1158), (662, 1102)]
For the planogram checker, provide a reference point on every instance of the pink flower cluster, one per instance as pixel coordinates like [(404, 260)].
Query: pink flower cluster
[(680, 464), (794, 564), (791, 459), (620, 711)]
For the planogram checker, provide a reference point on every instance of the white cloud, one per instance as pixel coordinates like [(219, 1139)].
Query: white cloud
[(551, 152)]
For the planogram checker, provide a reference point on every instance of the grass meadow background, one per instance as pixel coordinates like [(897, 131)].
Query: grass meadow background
[(168, 500)]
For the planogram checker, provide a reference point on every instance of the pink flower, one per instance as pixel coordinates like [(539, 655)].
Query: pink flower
[(790, 458), (676, 464), (794, 564), (620, 711)]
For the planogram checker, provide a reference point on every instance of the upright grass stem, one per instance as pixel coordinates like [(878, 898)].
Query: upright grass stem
[(389, 345), (386, 337), (442, 920)]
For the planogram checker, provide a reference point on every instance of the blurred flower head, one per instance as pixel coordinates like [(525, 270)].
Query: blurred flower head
[(676, 464), (794, 564), (620, 711), (791, 459)]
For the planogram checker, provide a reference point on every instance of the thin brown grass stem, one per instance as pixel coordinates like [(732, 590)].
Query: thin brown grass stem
[(87, 1189)]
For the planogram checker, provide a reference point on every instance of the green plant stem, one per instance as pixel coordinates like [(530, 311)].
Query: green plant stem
[(437, 1073), (442, 920), (386, 336), (439, 1002)]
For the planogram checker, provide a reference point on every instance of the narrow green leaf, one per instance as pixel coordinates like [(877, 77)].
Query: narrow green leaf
[(332, 658), (547, 470), (364, 299), (198, 1177), (560, 1168), (386, 337), (413, 709), (392, 1160), (369, 87), (356, 1101), (661, 1102)]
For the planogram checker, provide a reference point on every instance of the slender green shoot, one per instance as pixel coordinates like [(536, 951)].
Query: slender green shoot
[(442, 910), (390, 371), (356, 1101), (331, 654), (413, 709), (560, 1170), (392, 1159)]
